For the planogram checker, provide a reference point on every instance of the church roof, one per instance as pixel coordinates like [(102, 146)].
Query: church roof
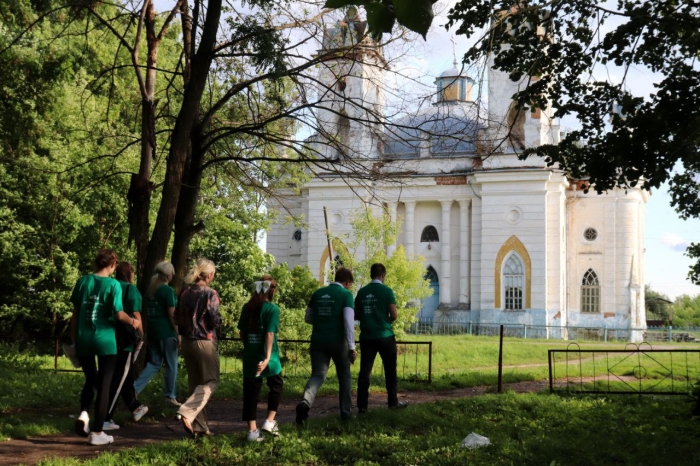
[(447, 128), (451, 73)]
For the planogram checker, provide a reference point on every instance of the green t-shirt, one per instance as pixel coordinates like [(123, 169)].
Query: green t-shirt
[(132, 302), (159, 326), (254, 342), (372, 309), (327, 304), (97, 299)]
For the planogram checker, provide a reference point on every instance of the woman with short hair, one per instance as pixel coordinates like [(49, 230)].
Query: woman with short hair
[(97, 304), (198, 318), (162, 333)]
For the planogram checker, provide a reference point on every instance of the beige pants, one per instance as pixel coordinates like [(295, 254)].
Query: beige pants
[(202, 363)]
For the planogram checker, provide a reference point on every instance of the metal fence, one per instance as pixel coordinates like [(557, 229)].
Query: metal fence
[(637, 370), (415, 359), (546, 332)]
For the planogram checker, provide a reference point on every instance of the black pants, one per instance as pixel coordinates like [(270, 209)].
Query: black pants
[(123, 371), (97, 380), (386, 347), (251, 392)]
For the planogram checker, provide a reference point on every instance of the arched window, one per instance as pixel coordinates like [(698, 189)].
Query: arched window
[(590, 292), (429, 235), (513, 283), (431, 274)]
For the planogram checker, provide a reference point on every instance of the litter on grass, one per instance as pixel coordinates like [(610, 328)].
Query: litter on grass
[(475, 440)]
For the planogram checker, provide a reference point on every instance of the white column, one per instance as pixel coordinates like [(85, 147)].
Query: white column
[(391, 208), (463, 251), (445, 296), (409, 223)]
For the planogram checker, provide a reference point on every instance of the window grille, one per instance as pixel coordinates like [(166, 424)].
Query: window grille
[(590, 234), (590, 292), (513, 283), (429, 235)]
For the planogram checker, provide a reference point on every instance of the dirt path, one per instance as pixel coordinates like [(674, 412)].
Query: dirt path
[(224, 418)]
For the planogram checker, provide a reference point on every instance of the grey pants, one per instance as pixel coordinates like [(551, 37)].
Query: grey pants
[(202, 363), (321, 355)]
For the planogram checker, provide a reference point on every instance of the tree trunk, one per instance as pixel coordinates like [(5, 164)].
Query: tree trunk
[(139, 195), (185, 227), (179, 145)]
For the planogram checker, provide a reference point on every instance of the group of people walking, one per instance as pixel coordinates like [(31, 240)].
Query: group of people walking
[(106, 309), (103, 311)]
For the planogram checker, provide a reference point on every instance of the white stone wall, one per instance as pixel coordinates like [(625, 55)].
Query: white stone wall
[(616, 256), (354, 89)]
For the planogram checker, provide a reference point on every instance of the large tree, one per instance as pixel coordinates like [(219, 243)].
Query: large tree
[(239, 95), (562, 52)]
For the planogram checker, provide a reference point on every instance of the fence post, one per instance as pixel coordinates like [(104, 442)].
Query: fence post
[(500, 363), (430, 362), (524, 332), (670, 333), (470, 328), (605, 334)]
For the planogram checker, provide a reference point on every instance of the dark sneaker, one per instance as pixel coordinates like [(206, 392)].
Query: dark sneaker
[(302, 413), (347, 417), (362, 411), (399, 405)]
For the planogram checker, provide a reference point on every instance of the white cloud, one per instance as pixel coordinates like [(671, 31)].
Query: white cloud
[(675, 242)]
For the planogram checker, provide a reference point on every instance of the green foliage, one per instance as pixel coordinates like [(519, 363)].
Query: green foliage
[(657, 304), (295, 286), (686, 311), (416, 15), (57, 189), (405, 275)]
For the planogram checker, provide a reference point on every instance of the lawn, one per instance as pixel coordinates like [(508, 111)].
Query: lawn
[(525, 429)]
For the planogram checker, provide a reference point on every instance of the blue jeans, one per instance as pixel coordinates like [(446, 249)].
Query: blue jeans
[(321, 355), (163, 353)]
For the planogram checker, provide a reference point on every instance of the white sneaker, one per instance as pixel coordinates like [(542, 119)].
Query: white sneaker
[(254, 436), (139, 412), (271, 428), (110, 425), (82, 424), (174, 402), (100, 439)]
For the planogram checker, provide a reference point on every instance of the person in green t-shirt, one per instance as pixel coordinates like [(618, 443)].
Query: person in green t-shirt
[(375, 308), (97, 304), (161, 332), (331, 314), (259, 324), (123, 381)]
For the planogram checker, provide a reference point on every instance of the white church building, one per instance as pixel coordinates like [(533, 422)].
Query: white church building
[(505, 241)]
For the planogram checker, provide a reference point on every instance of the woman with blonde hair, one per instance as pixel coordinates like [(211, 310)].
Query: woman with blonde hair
[(259, 324), (198, 318), (162, 333)]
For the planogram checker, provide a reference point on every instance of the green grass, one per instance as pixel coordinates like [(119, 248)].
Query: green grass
[(36, 402), (523, 429)]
